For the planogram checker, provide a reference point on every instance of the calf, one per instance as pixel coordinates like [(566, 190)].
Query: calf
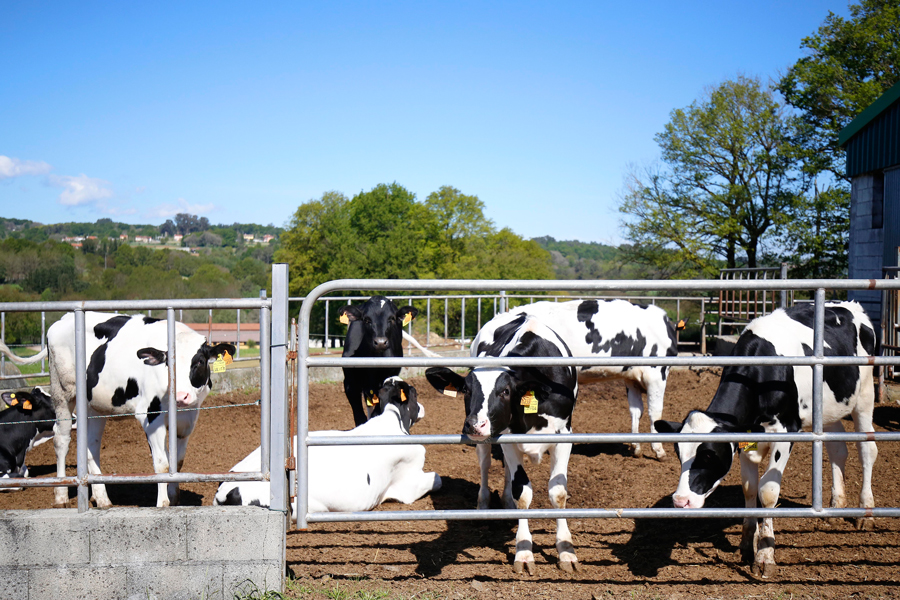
[(354, 478), (127, 375), (779, 399), (519, 400), (616, 328), (29, 416), (375, 330)]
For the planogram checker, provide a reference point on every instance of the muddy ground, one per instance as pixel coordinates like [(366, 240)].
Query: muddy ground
[(661, 558)]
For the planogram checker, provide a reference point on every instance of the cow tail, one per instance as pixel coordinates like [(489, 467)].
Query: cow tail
[(413, 341), (23, 361)]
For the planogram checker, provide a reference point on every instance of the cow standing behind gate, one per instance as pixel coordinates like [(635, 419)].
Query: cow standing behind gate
[(778, 399)]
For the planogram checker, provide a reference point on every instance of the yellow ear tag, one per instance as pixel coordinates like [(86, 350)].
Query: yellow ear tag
[(219, 365), (371, 398), (26, 405), (344, 319), (747, 446), (12, 395), (450, 391), (402, 395), (528, 398), (532, 407), (406, 319), (227, 358)]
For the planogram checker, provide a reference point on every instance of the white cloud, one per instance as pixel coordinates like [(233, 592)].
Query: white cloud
[(13, 167), (81, 190), (165, 211)]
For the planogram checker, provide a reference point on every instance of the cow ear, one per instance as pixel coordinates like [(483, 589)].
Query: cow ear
[(667, 426), (412, 396), (215, 351), (446, 381), (350, 313), (407, 314), (152, 356)]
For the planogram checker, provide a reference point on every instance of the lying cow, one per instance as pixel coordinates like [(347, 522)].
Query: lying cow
[(127, 375), (375, 330), (28, 417), (354, 478), (519, 400), (616, 328), (779, 399)]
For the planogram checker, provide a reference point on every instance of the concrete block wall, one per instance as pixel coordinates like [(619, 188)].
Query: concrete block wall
[(146, 553)]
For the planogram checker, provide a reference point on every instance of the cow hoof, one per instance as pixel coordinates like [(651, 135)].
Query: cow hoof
[(63, 505), (865, 524), (660, 455), (522, 566), (569, 566), (636, 450), (765, 570)]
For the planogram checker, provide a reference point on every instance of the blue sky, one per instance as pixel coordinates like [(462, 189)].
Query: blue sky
[(242, 111)]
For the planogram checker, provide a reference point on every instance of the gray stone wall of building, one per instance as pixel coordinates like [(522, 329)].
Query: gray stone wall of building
[(866, 246), (146, 553)]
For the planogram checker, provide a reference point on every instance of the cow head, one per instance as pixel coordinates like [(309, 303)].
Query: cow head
[(380, 321), (703, 465), (403, 397), (29, 406), (192, 370), (490, 395)]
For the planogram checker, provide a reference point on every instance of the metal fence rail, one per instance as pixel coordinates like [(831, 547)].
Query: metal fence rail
[(817, 436), (271, 420)]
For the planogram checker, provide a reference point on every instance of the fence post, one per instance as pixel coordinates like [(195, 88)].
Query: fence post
[(81, 437), (237, 352), (43, 336), (784, 270), (279, 431), (325, 343), (428, 322), (702, 325), (462, 324), (2, 339), (817, 424), (171, 403)]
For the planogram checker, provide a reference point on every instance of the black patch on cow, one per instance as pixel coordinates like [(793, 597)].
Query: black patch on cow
[(98, 361), (639, 305), (840, 379), (254, 502), (777, 455), (586, 310), (110, 328), (148, 320), (520, 480), (867, 339), (121, 396), (368, 479), (233, 497), (199, 369), (621, 345), (502, 337), (711, 464), (154, 409)]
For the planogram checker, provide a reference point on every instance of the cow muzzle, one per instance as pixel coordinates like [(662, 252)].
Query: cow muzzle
[(380, 343), (477, 430), (183, 400), (687, 501)]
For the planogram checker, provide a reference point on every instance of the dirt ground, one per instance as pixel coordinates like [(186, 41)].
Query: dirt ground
[(648, 558)]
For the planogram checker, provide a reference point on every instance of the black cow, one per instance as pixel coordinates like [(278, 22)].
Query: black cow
[(375, 330), (519, 400), (778, 399), (29, 415)]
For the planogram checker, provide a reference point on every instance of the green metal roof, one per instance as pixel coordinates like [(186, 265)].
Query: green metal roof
[(869, 114)]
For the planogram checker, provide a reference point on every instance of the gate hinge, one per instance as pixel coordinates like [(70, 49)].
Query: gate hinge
[(292, 355), (290, 463)]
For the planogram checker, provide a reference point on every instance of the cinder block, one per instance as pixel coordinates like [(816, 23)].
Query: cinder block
[(139, 535), (175, 582), (13, 583), (235, 533), (242, 579), (85, 583), (44, 537)]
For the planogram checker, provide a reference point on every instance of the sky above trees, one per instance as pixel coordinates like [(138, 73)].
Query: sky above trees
[(241, 112)]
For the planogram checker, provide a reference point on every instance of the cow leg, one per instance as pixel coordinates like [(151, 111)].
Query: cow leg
[(520, 486), (636, 407), (354, 396), (484, 463), (559, 494), (156, 438), (62, 436), (837, 456), (868, 453), (186, 423), (750, 486), (95, 429), (769, 490), (655, 394)]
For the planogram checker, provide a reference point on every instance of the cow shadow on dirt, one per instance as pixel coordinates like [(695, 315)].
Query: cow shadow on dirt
[(142, 495), (459, 494), (592, 450), (887, 417), (651, 544)]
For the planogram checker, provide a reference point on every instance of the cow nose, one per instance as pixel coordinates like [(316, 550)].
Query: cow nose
[(478, 428), (680, 501), (183, 398), (381, 343)]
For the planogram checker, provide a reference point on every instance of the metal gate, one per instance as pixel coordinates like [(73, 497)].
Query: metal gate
[(817, 436)]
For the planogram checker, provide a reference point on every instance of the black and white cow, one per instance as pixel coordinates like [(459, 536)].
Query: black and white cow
[(375, 330), (779, 399), (354, 478), (127, 374), (616, 328), (30, 414), (519, 400)]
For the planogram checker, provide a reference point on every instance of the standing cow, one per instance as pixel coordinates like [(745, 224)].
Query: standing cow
[(354, 478), (778, 399), (375, 330), (519, 400), (616, 328), (127, 375)]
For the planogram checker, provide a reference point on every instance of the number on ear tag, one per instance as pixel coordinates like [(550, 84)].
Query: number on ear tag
[(450, 390), (227, 358), (27, 405), (532, 406), (219, 365), (527, 398), (748, 446)]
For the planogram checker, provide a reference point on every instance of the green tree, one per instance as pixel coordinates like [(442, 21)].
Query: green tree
[(457, 221), (729, 180)]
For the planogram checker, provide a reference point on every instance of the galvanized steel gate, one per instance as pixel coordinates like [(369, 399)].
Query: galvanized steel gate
[(817, 436)]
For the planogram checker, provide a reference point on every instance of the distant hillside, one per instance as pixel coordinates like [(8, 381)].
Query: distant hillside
[(589, 260)]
